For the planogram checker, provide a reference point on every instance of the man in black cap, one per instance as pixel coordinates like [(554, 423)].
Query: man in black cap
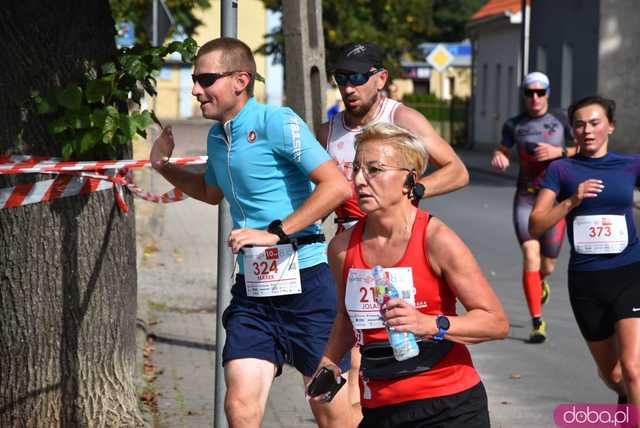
[(361, 77)]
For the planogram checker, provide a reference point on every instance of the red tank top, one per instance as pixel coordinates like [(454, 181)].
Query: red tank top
[(455, 373)]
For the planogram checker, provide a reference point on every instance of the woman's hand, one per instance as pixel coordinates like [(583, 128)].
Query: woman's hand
[(402, 316), (590, 188), (328, 364)]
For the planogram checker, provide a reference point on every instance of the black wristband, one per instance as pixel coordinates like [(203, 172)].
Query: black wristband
[(275, 227)]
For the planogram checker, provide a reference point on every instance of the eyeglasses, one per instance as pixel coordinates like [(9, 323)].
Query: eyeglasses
[(371, 170), (356, 79), (539, 92), (207, 79)]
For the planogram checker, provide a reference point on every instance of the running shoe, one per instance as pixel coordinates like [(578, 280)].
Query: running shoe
[(546, 292), (538, 333)]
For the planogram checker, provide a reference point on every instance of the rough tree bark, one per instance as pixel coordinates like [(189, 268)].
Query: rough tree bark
[(67, 267)]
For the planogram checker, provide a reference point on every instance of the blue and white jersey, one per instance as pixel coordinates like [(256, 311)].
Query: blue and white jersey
[(261, 160), (620, 174)]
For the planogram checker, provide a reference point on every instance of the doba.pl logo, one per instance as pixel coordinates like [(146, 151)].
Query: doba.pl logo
[(573, 415)]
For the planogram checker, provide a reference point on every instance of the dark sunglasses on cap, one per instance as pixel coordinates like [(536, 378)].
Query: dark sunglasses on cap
[(539, 92), (356, 79), (207, 79)]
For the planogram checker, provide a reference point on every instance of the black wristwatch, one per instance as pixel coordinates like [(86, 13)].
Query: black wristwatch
[(565, 152), (275, 227), (443, 324)]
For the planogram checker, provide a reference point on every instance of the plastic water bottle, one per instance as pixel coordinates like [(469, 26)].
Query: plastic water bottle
[(404, 344)]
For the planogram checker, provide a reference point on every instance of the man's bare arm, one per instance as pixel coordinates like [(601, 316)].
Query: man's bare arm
[(451, 173)]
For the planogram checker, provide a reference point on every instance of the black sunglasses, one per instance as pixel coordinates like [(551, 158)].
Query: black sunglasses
[(356, 79), (539, 92), (207, 79)]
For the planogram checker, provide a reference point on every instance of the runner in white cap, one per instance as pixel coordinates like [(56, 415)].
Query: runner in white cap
[(539, 135)]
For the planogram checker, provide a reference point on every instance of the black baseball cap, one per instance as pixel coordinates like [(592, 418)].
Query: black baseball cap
[(358, 57)]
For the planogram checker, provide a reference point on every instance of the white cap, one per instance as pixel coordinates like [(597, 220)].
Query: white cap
[(536, 77)]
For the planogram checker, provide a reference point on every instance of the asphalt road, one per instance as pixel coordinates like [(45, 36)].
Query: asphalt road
[(525, 382)]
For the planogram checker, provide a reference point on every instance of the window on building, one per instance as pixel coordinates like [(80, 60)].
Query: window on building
[(452, 86), (541, 59), (510, 87), (567, 74), (421, 87), (498, 98), (483, 88)]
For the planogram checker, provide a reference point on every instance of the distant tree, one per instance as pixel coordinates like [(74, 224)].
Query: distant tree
[(136, 10), (450, 18), (397, 26)]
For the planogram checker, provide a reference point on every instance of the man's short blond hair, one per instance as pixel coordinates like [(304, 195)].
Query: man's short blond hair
[(411, 151), (237, 56)]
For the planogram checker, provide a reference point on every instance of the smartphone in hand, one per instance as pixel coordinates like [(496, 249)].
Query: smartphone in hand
[(324, 382)]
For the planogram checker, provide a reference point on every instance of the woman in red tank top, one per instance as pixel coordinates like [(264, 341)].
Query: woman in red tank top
[(396, 234)]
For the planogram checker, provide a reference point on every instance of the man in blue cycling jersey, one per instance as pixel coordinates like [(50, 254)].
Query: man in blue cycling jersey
[(278, 181)]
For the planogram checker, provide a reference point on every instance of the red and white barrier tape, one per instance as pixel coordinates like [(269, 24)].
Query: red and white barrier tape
[(35, 164), (74, 179)]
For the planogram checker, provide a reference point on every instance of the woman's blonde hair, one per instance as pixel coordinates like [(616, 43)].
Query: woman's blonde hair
[(410, 149)]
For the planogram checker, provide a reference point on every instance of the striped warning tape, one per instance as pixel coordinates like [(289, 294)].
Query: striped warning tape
[(77, 178), (34, 164)]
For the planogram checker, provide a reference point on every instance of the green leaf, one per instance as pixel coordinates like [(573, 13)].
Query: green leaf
[(156, 62), (109, 68), (58, 126), (155, 118), (96, 89), (146, 120), (134, 66), (89, 140), (78, 119), (70, 97), (111, 124), (128, 125), (174, 46), (44, 106), (67, 151), (188, 50), (98, 117)]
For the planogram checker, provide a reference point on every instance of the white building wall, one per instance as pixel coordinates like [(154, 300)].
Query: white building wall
[(496, 79), (619, 68)]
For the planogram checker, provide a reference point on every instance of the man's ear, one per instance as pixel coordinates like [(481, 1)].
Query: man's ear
[(241, 81), (382, 79)]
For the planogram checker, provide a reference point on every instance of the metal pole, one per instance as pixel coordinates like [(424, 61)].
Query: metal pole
[(155, 23), (229, 25), (524, 38)]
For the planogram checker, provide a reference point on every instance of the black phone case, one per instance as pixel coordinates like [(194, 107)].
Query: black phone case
[(325, 383)]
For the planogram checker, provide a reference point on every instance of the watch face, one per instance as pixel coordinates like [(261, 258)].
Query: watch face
[(443, 323)]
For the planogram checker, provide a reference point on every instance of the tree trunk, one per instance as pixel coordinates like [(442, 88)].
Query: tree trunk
[(67, 267)]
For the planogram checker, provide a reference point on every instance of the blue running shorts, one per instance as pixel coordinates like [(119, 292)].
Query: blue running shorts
[(291, 329)]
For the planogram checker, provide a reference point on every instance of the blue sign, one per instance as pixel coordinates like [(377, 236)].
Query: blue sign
[(456, 49), (126, 35)]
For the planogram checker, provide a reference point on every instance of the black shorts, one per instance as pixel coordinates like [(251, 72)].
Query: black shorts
[(601, 298), (466, 409)]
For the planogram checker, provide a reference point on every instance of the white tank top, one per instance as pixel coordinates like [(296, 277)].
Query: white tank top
[(341, 137)]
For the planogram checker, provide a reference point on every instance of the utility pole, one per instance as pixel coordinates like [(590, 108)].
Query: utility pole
[(305, 75)]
